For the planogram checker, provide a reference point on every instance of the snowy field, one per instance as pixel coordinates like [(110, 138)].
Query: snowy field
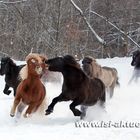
[(124, 106)]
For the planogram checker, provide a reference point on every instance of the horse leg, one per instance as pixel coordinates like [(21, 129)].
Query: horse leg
[(20, 108), (14, 91), (15, 104), (75, 111), (29, 110), (59, 98), (6, 91), (83, 109)]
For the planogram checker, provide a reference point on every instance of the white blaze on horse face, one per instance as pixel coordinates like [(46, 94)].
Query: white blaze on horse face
[(33, 61), (38, 70)]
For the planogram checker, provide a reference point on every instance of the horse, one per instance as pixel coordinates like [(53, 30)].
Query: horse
[(136, 64), (108, 75), (77, 86), (46, 75), (11, 71), (31, 90)]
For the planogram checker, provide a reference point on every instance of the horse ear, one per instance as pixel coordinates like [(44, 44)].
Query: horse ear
[(70, 60), (11, 62)]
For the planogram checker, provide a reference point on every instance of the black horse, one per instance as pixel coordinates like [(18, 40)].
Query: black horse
[(136, 59), (76, 85), (11, 71), (136, 64)]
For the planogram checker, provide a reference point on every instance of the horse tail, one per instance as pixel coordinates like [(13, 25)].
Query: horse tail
[(117, 82), (103, 99), (103, 95), (117, 78)]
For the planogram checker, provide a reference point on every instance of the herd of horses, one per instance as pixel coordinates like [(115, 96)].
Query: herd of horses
[(84, 86)]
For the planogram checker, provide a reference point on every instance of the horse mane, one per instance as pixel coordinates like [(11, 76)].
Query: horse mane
[(9, 60), (93, 69), (23, 74), (70, 61), (34, 56)]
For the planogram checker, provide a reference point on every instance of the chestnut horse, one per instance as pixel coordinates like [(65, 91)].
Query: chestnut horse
[(77, 86), (30, 91), (46, 75)]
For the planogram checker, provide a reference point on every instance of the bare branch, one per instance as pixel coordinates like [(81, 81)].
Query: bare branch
[(12, 2), (88, 24), (122, 32)]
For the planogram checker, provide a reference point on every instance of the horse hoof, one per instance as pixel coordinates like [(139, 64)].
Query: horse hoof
[(12, 115), (8, 92), (48, 112), (26, 115), (77, 113)]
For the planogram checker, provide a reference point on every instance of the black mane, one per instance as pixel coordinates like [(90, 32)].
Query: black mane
[(70, 60)]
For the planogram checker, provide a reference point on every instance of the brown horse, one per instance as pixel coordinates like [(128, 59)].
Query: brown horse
[(77, 86), (108, 75), (30, 91)]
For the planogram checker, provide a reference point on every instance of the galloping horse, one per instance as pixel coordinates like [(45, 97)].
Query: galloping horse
[(41, 59), (76, 85), (108, 75), (11, 71), (30, 91)]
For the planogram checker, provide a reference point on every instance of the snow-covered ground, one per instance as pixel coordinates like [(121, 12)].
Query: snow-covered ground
[(124, 106)]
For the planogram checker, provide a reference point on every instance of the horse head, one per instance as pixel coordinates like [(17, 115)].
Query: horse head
[(87, 65), (59, 63), (87, 60), (6, 64), (55, 64), (34, 67), (136, 59)]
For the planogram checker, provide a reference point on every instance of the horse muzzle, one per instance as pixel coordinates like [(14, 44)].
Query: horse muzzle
[(38, 69), (133, 63)]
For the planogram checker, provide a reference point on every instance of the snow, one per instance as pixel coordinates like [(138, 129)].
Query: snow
[(124, 106)]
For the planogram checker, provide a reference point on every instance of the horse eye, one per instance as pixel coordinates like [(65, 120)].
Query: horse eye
[(33, 61)]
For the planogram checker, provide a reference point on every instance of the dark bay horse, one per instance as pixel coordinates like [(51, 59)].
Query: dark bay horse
[(11, 71), (77, 87), (30, 91)]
